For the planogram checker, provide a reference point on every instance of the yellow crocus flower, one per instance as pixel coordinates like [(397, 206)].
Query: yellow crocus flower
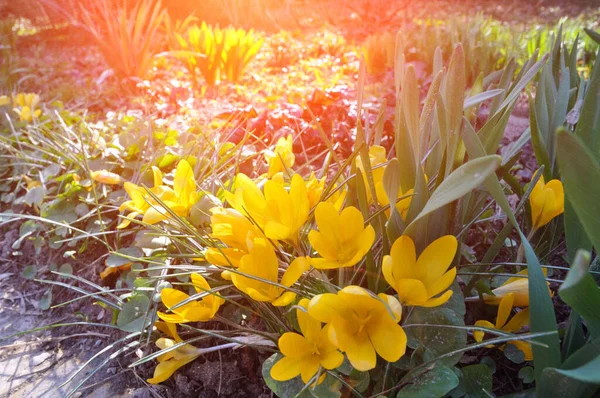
[(169, 362), (402, 205), (418, 281), (547, 200), (315, 188), (262, 263), (361, 325), (233, 229), (27, 114), (179, 199), (106, 177), (304, 353), (30, 100), (278, 212), (282, 157), (342, 239), (502, 323), (518, 286), (195, 311)]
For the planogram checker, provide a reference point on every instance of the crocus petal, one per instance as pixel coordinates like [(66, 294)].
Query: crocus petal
[(328, 221), (404, 258), (255, 294), (294, 345), (517, 322), (285, 299), (295, 271), (387, 270), (360, 350), (285, 369), (322, 263), (478, 334), (309, 366), (127, 220), (309, 326), (393, 305), (325, 245), (164, 370), (277, 231), (157, 176), (388, 339), (411, 291), (504, 309), (331, 359), (351, 221), (153, 215), (519, 288), (437, 258), (437, 301), (170, 318), (442, 283), (324, 307)]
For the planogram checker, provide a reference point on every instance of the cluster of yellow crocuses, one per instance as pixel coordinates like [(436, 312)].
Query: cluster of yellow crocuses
[(23, 104), (275, 212)]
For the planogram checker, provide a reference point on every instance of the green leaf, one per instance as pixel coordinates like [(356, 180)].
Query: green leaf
[(593, 35), (66, 268), (46, 300), (29, 272), (436, 340), (476, 381), (514, 354), (134, 312), (526, 374), (117, 260), (457, 301), (35, 196), (462, 181), (580, 173), (588, 125), (542, 318), (436, 383), (481, 97), (330, 388), (581, 293), (391, 185)]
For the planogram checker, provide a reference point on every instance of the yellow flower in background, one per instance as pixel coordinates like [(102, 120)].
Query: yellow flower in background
[(30, 100), (25, 106), (106, 177), (502, 323), (179, 199), (377, 156), (169, 362), (342, 239), (282, 157), (262, 263), (4, 100), (315, 188), (418, 281), (304, 353), (518, 286), (26, 114), (279, 212), (402, 205), (195, 311), (547, 200), (361, 325)]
